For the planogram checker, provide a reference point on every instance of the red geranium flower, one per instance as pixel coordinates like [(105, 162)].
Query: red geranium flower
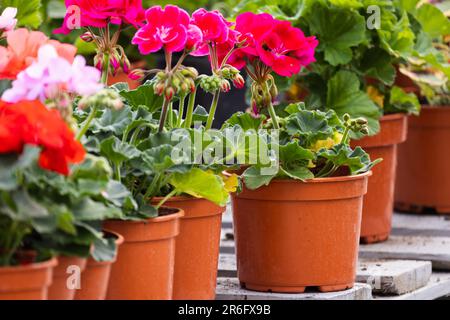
[(30, 122), (98, 13), (166, 28), (278, 44)]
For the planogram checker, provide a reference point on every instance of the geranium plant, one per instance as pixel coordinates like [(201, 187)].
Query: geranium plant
[(137, 138), (43, 209)]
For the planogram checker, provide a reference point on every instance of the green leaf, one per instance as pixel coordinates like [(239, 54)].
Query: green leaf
[(345, 96), (201, 184), (105, 249), (115, 121), (309, 126), (396, 34), (120, 196), (400, 101), (117, 151), (297, 173), (93, 168), (338, 30), (200, 114), (341, 155), (28, 12), (87, 209), (377, 63), (143, 96), (254, 178), (244, 120), (433, 21)]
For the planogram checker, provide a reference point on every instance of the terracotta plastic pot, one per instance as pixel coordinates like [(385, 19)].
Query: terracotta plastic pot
[(291, 235), (145, 263), (379, 202), (26, 282), (95, 279), (423, 173), (197, 248), (61, 288)]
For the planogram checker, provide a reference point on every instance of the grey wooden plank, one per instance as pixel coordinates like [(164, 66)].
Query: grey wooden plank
[(229, 289), (421, 221), (393, 277), (437, 287), (434, 249)]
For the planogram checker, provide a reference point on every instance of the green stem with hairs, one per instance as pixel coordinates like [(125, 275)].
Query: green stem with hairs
[(162, 119), (273, 115), (180, 111), (105, 71), (212, 110), (190, 109), (87, 123)]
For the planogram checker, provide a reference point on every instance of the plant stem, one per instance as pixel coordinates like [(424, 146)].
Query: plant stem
[(164, 200), (212, 110), (117, 173), (105, 70), (162, 119), (170, 114), (87, 123), (273, 115), (190, 110), (180, 111)]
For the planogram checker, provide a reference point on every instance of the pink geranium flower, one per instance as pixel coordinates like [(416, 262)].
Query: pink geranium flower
[(215, 29), (98, 13), (8, 19), (165, 28), (286, 49), (51, 75), (278, 44)]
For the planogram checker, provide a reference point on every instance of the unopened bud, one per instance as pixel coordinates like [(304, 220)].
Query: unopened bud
[(87, 37), (239, 81), (169, 93), (137, 75), (159, 88), (225, 86)]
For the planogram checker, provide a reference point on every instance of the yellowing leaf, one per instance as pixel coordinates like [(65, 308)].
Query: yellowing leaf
[(231, 182), (376, 96)]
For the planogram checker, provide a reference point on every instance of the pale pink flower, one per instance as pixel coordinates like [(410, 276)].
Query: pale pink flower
[(8, 19)]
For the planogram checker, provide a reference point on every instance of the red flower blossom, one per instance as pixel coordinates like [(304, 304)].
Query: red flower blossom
[(98, 13), (166, 28), (30, 122), (276, 43)]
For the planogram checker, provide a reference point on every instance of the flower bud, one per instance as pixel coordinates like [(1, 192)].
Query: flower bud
[(137, 75), (225, 86), (98, 61), (361, 121), (239, 81), (190, 72), (87, 36), (126, 66), (169, 93), (114, 60), (365, 130), (159, 88), (346, 117)]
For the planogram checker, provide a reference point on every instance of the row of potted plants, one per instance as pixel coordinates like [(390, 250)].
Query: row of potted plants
[(87, 168)]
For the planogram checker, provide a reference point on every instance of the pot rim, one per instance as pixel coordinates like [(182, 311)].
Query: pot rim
[(393, 116), (326, 179), (52, 262), (169, 217)]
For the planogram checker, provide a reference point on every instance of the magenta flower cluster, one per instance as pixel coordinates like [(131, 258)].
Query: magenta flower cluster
[(279, 45)]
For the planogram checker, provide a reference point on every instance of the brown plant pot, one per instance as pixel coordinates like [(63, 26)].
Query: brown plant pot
[(379, 202), (60, 290), (197, 248), (423, 172), (145, 263), (26, 282), (291, 235), (95, 279)]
